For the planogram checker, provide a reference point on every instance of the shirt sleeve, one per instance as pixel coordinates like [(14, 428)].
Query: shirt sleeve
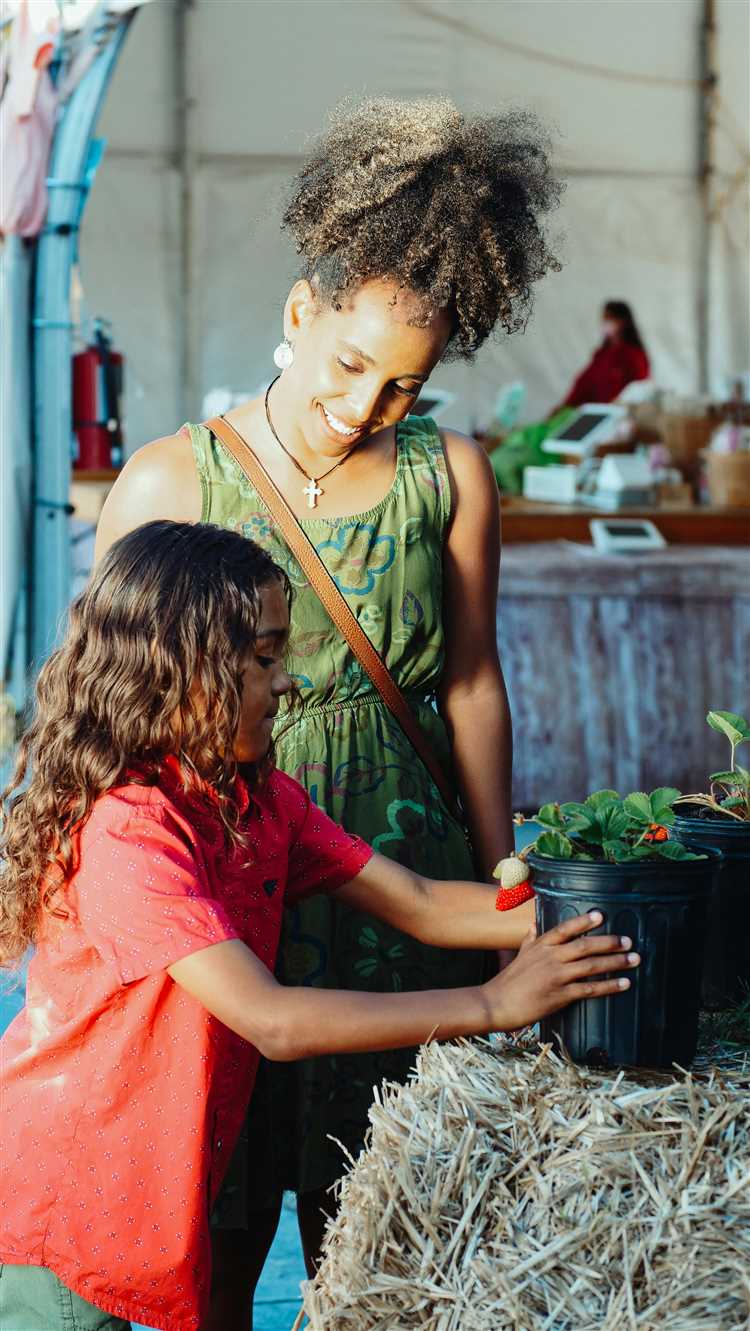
[(142, 897), (322, 856)]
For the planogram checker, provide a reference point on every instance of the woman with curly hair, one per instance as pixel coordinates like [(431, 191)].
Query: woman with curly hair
[(420, 231), (149, 859)]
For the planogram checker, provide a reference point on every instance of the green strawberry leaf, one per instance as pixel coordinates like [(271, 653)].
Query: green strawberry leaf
[(614, 821), (580, 822), (726, 778), (732, 725), (662, 800), (589, 831), (601, 797), (617, 850), (555, 845), (674, 850), (574, 810), (549, 816), (638, 806)]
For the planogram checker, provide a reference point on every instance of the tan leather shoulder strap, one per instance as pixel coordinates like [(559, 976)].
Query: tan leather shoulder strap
[(333, 601)]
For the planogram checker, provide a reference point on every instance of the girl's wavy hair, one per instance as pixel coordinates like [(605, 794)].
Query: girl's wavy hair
[(151, 665)]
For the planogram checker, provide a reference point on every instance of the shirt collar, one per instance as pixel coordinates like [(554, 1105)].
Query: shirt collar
[(172, 775)]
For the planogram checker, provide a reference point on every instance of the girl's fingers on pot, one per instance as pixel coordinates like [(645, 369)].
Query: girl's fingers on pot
[(591, 947), (570, 929), (599, 965), (595, 989)]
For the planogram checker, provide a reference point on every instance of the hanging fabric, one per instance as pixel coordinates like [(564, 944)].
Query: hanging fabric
[(27, 121)]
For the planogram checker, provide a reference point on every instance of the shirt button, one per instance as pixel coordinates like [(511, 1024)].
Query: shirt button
[(219, 1144)]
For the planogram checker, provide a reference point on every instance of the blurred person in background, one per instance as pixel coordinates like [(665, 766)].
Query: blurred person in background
[(619, 359), (420, 232)]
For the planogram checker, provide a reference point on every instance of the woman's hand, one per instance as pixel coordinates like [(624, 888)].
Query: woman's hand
[(556, 969)]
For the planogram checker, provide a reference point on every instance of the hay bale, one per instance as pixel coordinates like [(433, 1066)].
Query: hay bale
[(505, 1189)]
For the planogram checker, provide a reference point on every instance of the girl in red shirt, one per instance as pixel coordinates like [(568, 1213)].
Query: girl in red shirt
[(149, 859)]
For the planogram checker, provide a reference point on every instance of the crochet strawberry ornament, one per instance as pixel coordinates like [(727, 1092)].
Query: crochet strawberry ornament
[(515, 883)]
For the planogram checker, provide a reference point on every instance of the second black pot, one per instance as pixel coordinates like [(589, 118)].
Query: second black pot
[(663, 906), (726, 969)]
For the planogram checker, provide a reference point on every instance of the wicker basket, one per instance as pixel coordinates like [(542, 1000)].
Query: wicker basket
[(728, 476), (685, 436)]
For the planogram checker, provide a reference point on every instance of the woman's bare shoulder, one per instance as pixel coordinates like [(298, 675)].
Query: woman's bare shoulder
[(158, 481), (463, 448), (469, 467)]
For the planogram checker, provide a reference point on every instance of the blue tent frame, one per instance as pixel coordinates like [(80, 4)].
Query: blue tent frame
[(73, 161)]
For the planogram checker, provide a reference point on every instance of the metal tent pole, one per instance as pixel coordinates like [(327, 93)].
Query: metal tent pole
[(52, 345), (706, 168), (15, 458), (184, 108)]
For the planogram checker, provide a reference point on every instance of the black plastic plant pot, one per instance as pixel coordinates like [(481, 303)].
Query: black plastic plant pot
[(663, 906), (726, 967)]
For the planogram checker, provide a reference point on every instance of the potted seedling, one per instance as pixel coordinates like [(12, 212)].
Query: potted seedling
[(720, 819), (617, 856)]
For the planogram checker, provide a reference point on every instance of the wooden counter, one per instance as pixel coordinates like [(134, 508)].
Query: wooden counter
[(526, 520), (612, 662)]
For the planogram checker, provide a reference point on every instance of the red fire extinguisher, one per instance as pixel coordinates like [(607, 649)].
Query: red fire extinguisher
[(97, 396)]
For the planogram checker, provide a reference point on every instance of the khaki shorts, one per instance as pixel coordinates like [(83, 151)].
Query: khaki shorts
[(33, 1299)]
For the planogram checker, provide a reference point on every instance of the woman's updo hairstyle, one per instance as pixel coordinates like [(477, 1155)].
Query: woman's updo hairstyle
[(446, 205)]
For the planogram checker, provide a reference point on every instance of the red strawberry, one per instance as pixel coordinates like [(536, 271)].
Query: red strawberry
[(656, 832), (508, 897)]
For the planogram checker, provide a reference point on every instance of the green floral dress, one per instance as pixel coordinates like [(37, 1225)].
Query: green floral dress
[(352, 756)]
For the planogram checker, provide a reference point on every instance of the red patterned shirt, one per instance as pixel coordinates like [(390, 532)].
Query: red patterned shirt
[(121, 1097)]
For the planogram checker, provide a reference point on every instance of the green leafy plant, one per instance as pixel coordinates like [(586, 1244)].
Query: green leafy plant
[(730, 791), (609, 829)]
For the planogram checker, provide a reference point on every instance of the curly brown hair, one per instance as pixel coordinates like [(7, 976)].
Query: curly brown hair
[(171, 606), (446, 205)]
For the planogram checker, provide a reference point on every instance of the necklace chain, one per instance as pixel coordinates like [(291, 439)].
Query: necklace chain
[(313, 489)]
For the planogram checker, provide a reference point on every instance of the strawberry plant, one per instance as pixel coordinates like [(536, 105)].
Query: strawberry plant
[(729, 791), (607, 828)]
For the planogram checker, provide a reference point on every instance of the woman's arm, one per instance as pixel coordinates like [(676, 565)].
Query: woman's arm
[(472, 697), (158, 481), (290, 1023), (443, 914)]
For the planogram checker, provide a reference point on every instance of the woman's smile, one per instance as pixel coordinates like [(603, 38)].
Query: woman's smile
[(342, 432), (340, 426)]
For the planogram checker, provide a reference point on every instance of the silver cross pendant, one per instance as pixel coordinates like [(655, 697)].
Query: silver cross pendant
[(312, 491)]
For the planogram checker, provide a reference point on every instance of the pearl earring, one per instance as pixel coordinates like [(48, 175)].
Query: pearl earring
[(283, 355)]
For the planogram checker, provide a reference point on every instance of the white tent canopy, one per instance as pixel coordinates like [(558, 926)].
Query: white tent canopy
[(181, 247)]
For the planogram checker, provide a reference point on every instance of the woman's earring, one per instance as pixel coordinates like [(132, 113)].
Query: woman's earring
[(284, 354)]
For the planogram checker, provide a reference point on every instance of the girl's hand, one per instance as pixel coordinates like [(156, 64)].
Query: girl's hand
[(556, 969)]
